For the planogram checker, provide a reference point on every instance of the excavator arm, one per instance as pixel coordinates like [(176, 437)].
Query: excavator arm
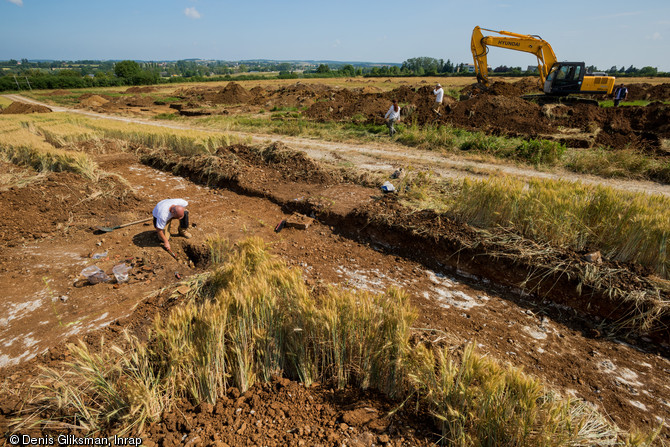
[(558, 79), (513, 41)]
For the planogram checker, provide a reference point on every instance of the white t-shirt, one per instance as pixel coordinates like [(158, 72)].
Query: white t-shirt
[(439, 94), (392, 114), (162, 211)]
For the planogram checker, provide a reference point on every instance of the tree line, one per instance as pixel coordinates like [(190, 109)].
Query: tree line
[(20, 75)]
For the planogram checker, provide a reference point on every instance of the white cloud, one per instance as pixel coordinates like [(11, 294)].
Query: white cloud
[(17, 2), (655, 36), (336, 43), (192, 13)]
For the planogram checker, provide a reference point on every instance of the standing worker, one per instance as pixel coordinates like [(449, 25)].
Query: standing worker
[(620, 94), (439, 95), (392, 116), (164, 212)]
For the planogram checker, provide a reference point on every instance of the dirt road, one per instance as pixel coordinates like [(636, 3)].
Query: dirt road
[(387, 156)]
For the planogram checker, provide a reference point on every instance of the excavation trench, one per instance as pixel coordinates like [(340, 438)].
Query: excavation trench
[(364, 215), (359, 239)]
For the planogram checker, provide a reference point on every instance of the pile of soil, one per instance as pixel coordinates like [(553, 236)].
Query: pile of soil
[(60, 93), (644, 91), (529, 85), (500, 115), (146, 89), (93, 101), (233, 93), (21, 108), (243, 168)]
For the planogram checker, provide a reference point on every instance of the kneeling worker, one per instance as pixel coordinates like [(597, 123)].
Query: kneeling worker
[(164, 213)]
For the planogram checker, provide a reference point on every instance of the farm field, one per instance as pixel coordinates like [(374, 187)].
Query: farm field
[(536, 236)]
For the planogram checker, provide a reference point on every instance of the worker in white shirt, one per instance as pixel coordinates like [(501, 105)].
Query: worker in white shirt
[(164, 213), (439, 95), (392, 116)]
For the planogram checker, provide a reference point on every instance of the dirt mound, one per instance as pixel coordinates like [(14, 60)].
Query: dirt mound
[(93, 101), (501, 88), (500, 115), (659, 92), (60, 93), (406, 94), (529, 85), (19, 108), (233, 93), (368, 89), (141, 90), (498, 88), (637, 91)]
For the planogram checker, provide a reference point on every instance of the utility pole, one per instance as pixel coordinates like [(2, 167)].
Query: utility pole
[(17, 83), (28, 82)]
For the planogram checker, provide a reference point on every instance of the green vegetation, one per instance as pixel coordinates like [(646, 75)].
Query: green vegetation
[(252, 318)]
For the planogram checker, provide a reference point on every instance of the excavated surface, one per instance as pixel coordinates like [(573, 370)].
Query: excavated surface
[(42, 306)]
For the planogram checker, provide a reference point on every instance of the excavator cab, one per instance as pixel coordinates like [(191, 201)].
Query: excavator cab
[(565, 78)]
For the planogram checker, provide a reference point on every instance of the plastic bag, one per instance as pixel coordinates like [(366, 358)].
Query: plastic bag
[(94, 274), (99, 255), (121, 272), (388, 187)]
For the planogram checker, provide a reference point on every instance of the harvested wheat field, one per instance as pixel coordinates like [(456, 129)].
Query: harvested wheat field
[(507, 292)]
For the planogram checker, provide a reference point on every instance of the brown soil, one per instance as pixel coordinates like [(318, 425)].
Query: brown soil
[(146, 89), (18, 108), (359, 239), (233, 93), (93, 101), (285, 413), (60, 93)]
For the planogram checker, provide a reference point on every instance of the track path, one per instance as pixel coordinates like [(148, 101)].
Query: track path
[(386, 156)]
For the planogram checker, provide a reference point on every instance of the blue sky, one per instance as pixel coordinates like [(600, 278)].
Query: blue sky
[(601, 33)]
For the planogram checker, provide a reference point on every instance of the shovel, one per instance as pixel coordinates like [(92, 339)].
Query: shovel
[(108, 229)]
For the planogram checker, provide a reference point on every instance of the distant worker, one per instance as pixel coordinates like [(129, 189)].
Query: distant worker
[(620, 94), (166, 211), (439, 95), (392, 116)]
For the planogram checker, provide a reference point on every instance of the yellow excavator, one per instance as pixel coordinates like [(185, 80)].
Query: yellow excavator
[(559, 79)]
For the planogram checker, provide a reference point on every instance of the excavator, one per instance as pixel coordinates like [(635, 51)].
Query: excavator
[(559, 79)]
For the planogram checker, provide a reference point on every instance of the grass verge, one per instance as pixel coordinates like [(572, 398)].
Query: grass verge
[(254, 318), (625, 226)]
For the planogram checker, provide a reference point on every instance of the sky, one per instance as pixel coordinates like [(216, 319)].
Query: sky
[(600, 33)]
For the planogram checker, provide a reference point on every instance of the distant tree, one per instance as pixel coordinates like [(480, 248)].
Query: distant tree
[(648, 71), (284, 66), (323, 68), (631, 70), (127, 69), (348, 70), (421, 65), (70, 73)]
